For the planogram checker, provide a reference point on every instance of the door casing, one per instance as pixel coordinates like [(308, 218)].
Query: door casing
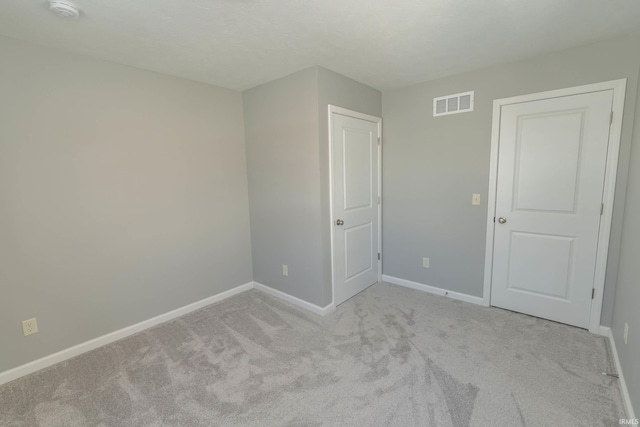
[(613, 149), (350, 113)]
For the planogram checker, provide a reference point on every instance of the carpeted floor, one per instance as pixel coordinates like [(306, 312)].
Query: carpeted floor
[(390, 356)]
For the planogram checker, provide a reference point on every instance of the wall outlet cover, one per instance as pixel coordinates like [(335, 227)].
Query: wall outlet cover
[(29, 326)]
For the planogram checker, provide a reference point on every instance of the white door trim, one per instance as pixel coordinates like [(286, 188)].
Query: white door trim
[(613, 150), (349, 113)]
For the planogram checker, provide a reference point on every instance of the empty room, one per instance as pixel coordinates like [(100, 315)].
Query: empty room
[(305, 213)]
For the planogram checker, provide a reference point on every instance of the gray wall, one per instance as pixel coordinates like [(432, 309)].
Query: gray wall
[(281, 128), (286, 124), (627, 300), (336, 89), (123, 196), (433, 165)]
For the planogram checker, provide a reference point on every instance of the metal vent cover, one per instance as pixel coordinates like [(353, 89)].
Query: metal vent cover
[(453, 104)]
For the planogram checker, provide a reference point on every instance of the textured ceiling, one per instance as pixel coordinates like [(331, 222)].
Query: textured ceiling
[(239, 44)]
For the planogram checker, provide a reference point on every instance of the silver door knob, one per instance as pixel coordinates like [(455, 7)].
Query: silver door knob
[(339, 222), (502, 220)]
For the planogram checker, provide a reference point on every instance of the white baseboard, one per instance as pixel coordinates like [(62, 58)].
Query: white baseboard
[(86, 346), (628, 406), (322, 311), (432, 290)]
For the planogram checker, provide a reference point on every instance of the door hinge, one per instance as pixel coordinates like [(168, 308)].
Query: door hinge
[(601, 208), (379, 199), (611, 119), (378, 256), (379, 140), (593, 293), (494, 219)]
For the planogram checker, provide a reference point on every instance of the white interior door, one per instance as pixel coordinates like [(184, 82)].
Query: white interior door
[(551, 169), (355, 216)]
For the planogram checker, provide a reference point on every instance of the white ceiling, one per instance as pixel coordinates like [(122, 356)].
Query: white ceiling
[(239, 44)]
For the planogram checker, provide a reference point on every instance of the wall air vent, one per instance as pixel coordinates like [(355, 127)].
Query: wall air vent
[(453, 104)]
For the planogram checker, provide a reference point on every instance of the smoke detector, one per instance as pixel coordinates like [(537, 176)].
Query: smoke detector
[(64, 8)]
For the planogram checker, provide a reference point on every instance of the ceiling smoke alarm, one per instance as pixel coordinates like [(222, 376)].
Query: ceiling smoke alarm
[(64, 8)]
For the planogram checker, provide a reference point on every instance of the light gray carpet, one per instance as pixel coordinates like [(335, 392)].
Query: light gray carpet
[(389, 356)]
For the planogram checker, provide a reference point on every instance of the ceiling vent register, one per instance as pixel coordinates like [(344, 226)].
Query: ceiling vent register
[(453, 104)]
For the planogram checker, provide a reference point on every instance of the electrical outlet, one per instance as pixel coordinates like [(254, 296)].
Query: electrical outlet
[(425, 262), (475, 199), (285, 270), (626, 332), (30, 326)]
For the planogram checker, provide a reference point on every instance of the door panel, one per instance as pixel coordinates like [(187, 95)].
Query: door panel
[(357, 169), (355, 193), (551, 167), (549, 275), (558, 157), (358, 246)]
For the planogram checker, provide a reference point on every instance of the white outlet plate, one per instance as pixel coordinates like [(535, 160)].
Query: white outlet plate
[(30, 326), (285, 270), (626, 332), (475, 199), (425, 262)]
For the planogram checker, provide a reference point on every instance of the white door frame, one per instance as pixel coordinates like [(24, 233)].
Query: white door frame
[(350, 113), (613, 150)]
